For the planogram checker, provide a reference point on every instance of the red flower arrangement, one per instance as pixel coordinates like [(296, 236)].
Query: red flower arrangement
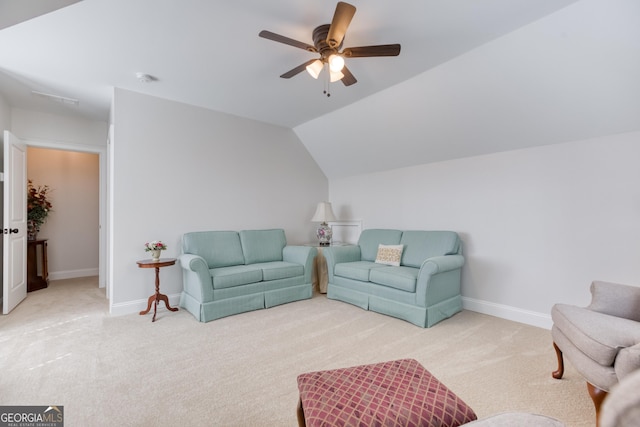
[(38, 206)]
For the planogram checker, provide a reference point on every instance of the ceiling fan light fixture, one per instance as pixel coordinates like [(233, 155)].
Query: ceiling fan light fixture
[(314, 68), (334, 76), (336, 63)]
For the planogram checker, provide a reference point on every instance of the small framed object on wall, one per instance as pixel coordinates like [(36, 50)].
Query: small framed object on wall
[(346, 231)]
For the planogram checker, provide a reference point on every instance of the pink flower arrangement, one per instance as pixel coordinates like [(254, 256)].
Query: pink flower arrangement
[(156, 245)]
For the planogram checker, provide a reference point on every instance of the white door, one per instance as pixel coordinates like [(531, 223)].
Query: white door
[(14, 228)]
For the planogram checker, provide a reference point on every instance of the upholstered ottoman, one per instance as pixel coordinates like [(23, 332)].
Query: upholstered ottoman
[(395, 393)]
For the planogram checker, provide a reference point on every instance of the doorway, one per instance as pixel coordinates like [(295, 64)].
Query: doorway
[(72, 228)]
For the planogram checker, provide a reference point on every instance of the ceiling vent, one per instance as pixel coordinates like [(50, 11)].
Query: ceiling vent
[(56, 98)]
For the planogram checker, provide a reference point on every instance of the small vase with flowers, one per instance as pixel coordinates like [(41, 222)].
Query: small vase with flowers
[(155, 247)]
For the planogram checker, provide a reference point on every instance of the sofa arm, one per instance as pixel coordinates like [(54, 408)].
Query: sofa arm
[(196, 277), (440, 264), (339, 254), (627, 361), (615, 300), (303, 255), (439, 279)]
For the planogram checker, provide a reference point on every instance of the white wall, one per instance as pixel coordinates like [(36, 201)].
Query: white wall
[(5, 117), (34, 125), (5, 124), (180, 168), (538, 224), (72, 227)]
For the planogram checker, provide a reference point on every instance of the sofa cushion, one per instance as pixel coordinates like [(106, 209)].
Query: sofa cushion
[(262, 245), (279, 270), (420, 245), (238, 275), (403, 278), (370, 239), (358, 270), (389, 254), (218, 248), (597, 335), (615, 299)]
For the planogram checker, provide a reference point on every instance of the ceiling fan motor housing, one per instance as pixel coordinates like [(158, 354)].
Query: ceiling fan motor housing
[(320, 42)]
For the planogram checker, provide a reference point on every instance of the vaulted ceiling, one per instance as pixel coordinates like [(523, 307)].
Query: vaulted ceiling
[(473, 76)]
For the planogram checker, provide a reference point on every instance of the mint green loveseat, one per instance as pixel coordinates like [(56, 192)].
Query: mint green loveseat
[(230, 272), (424, 289)]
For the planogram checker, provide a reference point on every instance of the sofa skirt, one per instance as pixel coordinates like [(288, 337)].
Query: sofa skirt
[(424, 317), (212, 310), (285, 295), (205, 312)]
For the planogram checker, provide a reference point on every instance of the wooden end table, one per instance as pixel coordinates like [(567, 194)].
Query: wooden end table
[(157, 297), (35, 282), (320, 274)]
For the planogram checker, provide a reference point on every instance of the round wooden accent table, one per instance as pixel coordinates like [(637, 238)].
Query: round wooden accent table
[(157, 297)]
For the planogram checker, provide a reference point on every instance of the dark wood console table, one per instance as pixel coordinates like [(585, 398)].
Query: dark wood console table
[(35, 282), (157, 297)]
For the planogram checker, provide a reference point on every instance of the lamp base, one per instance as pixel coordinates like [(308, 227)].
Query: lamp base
[(324, 234)]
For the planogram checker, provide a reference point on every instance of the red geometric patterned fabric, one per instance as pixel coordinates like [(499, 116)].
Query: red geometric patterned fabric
[(395, 393)]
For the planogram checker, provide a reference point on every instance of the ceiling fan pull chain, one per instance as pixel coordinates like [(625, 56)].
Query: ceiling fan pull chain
[(327, 82)]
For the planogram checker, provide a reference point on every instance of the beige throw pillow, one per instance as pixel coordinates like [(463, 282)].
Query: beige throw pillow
[(389, 254)]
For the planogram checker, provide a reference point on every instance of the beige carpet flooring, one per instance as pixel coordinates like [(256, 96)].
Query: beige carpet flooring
[(60, 346)]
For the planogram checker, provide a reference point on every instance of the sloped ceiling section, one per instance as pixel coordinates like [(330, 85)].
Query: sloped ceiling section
[(13, 12), (572, 75)]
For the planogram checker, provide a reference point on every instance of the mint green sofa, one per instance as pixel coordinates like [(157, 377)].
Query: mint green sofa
[(424, 289), (230, 272)]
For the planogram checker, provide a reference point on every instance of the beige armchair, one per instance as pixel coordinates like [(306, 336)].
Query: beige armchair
[(602, 340), (621, 408)]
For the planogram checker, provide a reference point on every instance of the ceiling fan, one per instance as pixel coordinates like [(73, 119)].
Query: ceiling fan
[(327, 41)]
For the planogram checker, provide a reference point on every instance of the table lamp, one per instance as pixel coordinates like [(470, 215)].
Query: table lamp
[(322, 215)]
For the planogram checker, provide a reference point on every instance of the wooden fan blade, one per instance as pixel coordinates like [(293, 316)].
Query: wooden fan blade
[(297, 70), (339, 24), (286, 40), (368, 51), (348, 78)]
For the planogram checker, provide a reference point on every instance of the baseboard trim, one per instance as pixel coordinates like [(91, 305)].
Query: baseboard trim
[(527, 317), (130, 307), (72, 274)]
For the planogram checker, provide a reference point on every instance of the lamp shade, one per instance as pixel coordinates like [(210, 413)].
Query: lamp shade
[(323, 213), (314, 68), (334, 76)]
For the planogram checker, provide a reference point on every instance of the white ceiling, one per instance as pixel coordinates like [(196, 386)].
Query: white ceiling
[(208, 53), (461, 57)]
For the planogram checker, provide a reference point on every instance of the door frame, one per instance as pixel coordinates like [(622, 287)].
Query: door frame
[(103, 220)]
